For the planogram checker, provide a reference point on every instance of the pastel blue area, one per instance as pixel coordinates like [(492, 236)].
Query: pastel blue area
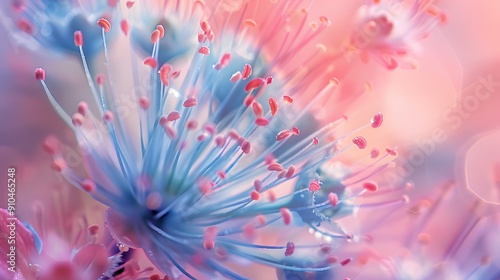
[(304, 199), (55, 23), (36, 237)]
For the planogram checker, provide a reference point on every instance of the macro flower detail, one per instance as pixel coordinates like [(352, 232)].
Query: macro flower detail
[(193, 182), (51, 24), (388, 31)]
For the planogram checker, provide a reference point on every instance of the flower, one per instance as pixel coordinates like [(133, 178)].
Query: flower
[(199, 180), (51, 23), (388, 30)]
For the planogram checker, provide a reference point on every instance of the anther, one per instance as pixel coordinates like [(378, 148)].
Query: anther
[(254, 195), (40, 74), (204, 50), (253, 84), (290, 248), (247, 71), (257, 184), (260, 121), (161, 29), (83, 108), (287, 99), (108, 116), (314, 186), (360, 142), (124, 25), (286, 215), (333, 199), (155, 36), (150, 61), (377, 120), (130, 4), (88, 186), (104, 24), (78, 38), (190, 102), (370, 186), (283, 135), (273, 104), (77, 119), (144, 102), (275, 167)]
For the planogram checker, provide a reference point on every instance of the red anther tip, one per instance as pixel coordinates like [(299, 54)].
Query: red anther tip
[(144, 102), (155, 277), (190, 102), (391, 152), (333, 199), (370, 186), (377, 120), (151, 62), (40, 74), (125, 27), (235, 77), (234, 135), (201, 137), (346, 261), (192, 124), (246, 147), (287, 99), (257, 184), (164, 72), (254, 195), (221, 174), (315, 141), (130, 4), (273, 104), (51, 145), (204, 26), (290, 248), (260, 121), (112, 3), (108, 116), (247, 71), (104, 24), (210, 128), (275, 167), (253, 84), (283, 135), (208, 244), (93, 229), (374, 153), (286, 215), (25, 26), (155, 36), (250, 23), (272, 196), (77, 119), (204, 50), (59, 164), (78, 38), (295, 131), (220, 141), (290, 172), (88, 185), (100, 79), (161, 29), (360, 142), (314, 186), (257, 109), (269, 79)]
